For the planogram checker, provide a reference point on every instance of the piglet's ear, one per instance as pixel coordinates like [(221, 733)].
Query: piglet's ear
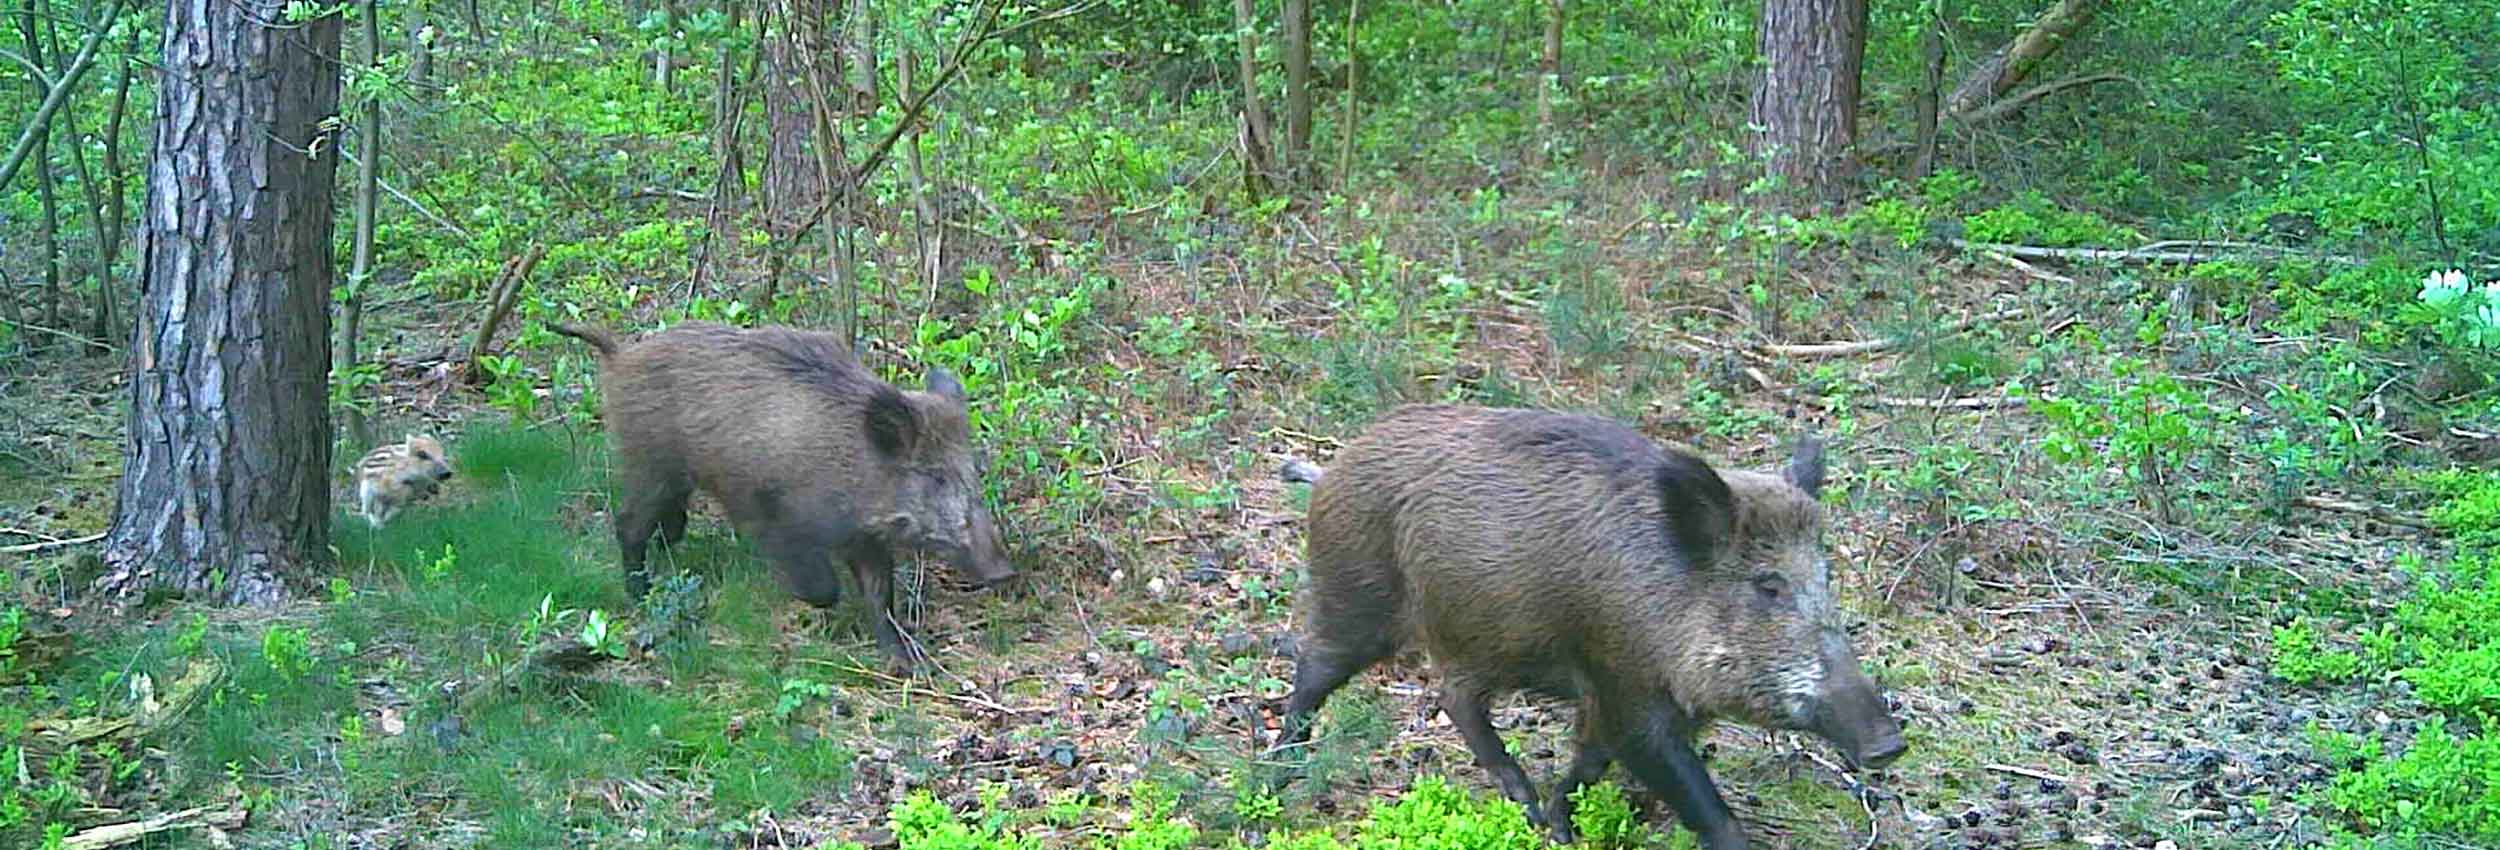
[(1805, 468)]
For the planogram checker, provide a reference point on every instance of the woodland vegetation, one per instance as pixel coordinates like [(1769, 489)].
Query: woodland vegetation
[(2156, 344)]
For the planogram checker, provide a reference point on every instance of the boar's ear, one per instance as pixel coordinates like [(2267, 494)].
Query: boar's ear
[(1805, 468), (942, 383), (1700, 510), (892, 428)]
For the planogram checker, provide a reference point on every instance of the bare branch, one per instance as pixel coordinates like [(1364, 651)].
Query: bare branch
[(2014, 103)]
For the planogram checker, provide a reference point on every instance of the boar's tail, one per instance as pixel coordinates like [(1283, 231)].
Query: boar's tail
[(599, 338), (1299, 471)]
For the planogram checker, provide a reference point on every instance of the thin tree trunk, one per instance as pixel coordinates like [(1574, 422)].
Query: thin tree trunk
[(1296, 158), (224, 490), (1807, 99), (477, 25), (2014, 62), (931, 231), (360, 266), (116, 201), (48, 224), (859, 50), (1930, 90), (1549, 81), (101, 312), (1353, 82), (420, 45), (1256, 164), (664, 60), (729, 174), (33, 133)]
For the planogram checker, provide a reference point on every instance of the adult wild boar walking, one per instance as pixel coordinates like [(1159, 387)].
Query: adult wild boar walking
[(811, 455), (1569, 556)]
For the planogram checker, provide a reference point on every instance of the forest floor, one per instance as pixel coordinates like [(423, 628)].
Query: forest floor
[(2079, 645)]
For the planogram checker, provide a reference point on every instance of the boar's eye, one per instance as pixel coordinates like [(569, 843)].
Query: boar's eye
[(1772, 586)]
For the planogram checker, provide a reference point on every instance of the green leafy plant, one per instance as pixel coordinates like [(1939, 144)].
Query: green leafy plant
[(288, 651), (2301, 658)]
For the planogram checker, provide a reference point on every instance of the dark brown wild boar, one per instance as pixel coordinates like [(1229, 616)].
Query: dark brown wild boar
[(811, 455), (1571, 557)]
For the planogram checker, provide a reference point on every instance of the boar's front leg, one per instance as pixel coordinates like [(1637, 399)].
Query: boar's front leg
[(1464, 702), (1664, 760), (872, 566), (1588, 765)]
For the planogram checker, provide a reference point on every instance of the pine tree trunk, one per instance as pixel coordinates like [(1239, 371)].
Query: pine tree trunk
[(224, 485), (792, 184), (1930, 90), (1807, 102)]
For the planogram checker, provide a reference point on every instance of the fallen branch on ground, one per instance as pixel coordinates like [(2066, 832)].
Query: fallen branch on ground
[(1866, 346), (49, 545), (118, 834), (2381, 513), (2034, 774), (2228, 250)]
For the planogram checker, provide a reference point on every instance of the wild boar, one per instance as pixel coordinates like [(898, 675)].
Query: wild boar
[(394, 475), (810, 454), (1570, 557)]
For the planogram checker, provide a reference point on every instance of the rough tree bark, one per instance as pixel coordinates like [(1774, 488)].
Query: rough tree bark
[(2015, 62), (792, 187), (1807, 101), (1296, 157), (224, 485)]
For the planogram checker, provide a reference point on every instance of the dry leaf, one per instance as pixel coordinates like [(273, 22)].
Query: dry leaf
[(392, 722)]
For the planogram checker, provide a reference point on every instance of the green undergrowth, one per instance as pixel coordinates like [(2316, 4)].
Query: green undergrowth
[(1433, 815), (2442, 783)]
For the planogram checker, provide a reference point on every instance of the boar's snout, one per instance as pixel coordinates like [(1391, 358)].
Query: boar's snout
[(983, 559), (1851, 712)]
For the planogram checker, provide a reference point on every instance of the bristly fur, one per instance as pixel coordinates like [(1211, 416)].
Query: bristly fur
[(394, 475)]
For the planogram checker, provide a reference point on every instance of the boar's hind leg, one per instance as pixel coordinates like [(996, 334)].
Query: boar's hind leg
[(1337, 644), (645, 504), (1464, 702), (1666, 763)]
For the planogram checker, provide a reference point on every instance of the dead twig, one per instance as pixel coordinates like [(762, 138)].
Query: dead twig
[(2013, 103), (909, 687), (49, 545), (2140, 255), (118, 834), (2381, 513), (2018, 770), (1867, 346)]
